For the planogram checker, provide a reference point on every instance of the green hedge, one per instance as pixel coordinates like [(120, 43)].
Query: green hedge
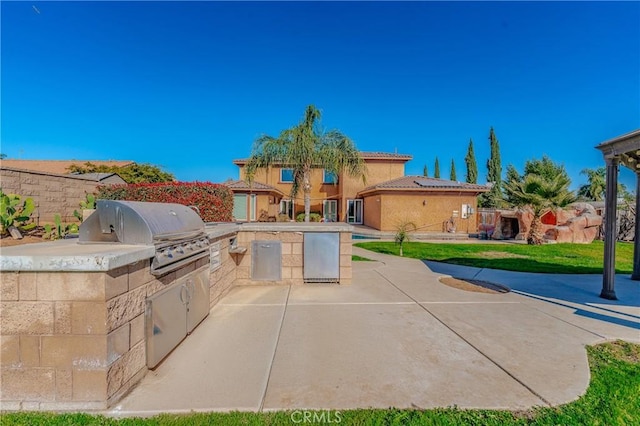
[(313, 217), (214, 201)]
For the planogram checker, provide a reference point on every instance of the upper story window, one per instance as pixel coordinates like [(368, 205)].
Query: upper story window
[(286, 175), (329, 178)]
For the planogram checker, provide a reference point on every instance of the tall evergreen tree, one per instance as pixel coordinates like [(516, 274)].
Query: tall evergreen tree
[(452, 174), (436, 173), (512, 178), (472, 166), (494, 166), (425, 171), (545, 167), (493, 198)]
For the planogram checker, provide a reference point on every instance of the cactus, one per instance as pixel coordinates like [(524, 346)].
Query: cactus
[(59, 230), (88, 203), (14, 211)]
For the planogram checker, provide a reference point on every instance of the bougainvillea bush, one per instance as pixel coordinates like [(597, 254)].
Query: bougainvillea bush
[(214, 201)]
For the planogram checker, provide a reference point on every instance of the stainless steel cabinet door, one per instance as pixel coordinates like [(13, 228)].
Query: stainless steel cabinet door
[(321, 257), (266, 260), (198, 307), (165, 322)]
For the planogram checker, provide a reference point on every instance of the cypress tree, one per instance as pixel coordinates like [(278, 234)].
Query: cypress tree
[(452, 174), (494, 172), (472, 166), (436, 173), (494, 167), (425, 171)]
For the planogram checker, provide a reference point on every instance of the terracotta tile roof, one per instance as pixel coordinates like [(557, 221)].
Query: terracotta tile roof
[(56, 166), (366, 155), (376, 155), (255, 186), (421, 183)]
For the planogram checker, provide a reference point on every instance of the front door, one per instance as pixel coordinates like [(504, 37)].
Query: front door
[(354, 212)]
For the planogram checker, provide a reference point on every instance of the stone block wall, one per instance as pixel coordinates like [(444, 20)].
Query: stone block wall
[(292, 257), (75, 340), (223, 271), (53, 194)]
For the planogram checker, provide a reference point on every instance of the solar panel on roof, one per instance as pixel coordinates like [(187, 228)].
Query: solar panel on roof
[(430, 183)]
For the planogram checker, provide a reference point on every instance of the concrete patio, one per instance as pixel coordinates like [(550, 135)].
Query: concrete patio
[(397, 337)]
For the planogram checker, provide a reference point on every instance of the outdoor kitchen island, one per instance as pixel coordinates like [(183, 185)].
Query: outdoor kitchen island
[(73, 334)]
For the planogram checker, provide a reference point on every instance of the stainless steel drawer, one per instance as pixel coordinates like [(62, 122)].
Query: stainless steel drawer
[(266, 260)]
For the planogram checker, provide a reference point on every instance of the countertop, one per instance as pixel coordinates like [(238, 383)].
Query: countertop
[(279, 227), (68, 255)]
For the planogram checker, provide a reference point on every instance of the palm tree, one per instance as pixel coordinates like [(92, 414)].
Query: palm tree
[(594, 189), (402, 233), (541, 195), (303, 148)]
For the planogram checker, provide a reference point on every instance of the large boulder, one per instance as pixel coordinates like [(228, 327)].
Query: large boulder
[(578, 223)]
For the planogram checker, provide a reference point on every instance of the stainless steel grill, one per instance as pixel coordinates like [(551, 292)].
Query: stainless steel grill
[(176, 231)]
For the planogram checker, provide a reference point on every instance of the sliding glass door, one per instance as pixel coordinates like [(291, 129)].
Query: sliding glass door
[(354, 212)]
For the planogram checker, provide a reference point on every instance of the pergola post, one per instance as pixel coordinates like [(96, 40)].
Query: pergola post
[(623, 150), (636, 241), (610, 234)]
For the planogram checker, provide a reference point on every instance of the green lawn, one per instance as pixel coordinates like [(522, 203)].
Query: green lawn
[(613, 399), (549, 258)]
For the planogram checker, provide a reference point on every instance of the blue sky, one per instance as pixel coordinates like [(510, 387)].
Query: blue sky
[(189, 86)]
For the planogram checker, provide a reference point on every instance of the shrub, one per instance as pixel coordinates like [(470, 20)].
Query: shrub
[(313, 217), (214, 201), (282, 217)]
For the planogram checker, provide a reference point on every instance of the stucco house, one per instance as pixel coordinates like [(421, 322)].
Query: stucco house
[(384, 199), (433, 205)]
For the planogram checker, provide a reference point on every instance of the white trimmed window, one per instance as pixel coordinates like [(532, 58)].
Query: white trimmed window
[(329, 178), (286, 175)]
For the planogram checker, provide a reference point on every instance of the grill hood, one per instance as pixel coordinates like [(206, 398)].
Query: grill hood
[(134, 222)]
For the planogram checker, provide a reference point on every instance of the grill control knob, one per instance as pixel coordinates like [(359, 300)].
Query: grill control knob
[(180, 250)]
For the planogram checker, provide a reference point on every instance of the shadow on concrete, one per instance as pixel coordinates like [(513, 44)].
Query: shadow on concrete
[(567, 290), (591, 314), (509, 264)]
